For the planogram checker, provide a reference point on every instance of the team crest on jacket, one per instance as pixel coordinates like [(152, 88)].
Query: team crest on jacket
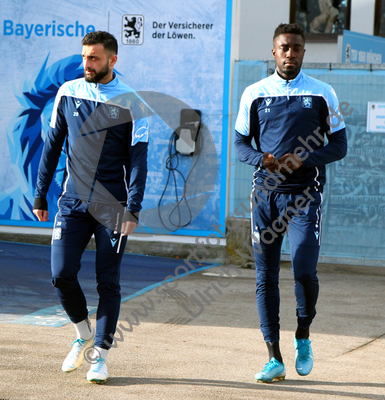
[(307, 102), (114, 112)]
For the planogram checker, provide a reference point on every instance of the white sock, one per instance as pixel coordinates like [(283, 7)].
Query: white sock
[(84, 329), (100, 353)]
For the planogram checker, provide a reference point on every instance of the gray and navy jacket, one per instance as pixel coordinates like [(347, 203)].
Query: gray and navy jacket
[(104, 132), (290, 116)]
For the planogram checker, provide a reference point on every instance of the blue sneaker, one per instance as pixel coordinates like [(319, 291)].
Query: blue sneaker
[(303, 356), (272, 371)]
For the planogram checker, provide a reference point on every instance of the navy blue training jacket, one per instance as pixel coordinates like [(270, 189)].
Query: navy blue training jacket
[(104, 132), (290, 116)]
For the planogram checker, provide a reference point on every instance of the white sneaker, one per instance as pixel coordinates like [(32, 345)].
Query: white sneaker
[(98, 372), (75, 357)]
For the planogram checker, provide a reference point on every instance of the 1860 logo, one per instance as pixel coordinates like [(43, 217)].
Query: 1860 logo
[(132, 29)]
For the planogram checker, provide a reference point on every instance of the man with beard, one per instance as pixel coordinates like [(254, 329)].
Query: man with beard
[(102, 125), (288, 115)]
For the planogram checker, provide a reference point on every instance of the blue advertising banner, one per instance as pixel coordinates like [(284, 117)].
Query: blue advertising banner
[(174, 53), (361, 48)]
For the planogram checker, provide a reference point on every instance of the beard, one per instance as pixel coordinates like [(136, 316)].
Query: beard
[(291, 72), (98, 76)]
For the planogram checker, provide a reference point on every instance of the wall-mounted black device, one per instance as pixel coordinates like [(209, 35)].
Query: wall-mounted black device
[(185, 141), (188, 131)]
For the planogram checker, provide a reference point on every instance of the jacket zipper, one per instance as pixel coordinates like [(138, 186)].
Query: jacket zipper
[(287, 94), (97, 93)]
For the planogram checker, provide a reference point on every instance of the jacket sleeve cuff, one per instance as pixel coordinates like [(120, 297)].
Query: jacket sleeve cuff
[(40, 204), (131, 216)]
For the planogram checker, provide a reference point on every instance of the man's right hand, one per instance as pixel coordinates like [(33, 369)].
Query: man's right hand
[(270, 162), (42, 215)]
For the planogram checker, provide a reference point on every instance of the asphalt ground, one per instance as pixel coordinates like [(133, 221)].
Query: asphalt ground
[(26, 298), (198, 338)]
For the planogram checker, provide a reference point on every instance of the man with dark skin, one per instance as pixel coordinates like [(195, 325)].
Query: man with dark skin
[(288, 52), (288, 114)]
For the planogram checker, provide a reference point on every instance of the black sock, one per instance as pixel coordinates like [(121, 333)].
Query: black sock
[(274, 351), (302, 333)]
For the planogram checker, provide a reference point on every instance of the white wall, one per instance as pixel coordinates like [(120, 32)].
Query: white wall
[(256, 20), (321, 52), (362, 16)]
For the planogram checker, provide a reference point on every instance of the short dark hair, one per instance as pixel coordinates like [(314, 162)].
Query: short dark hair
[(294, 28), (100, 37)]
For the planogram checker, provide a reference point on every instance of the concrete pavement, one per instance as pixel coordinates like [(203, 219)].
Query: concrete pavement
[(200, 340)]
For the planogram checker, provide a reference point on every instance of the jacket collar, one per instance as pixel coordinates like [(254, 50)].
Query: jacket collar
[(109, 85), (282, 81)]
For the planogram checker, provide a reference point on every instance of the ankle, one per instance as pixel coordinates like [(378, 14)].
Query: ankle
[(302, 333), (84, 329), (100, 353), (274, 351)]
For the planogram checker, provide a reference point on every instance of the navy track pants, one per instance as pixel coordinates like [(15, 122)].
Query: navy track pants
[(273, 215), (73, 228)]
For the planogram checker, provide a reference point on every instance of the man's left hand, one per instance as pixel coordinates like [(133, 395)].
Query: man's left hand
[(128, 227), (292, 161)]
